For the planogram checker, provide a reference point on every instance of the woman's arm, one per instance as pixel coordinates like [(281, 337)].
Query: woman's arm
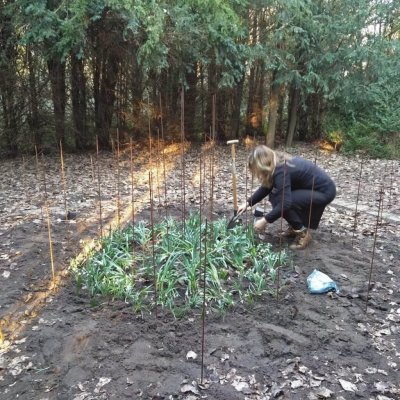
[(258, 195)]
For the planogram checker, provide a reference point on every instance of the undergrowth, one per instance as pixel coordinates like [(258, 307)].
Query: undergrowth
[(237, 268)]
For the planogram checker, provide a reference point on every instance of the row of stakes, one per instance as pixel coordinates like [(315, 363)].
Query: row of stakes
[(203, 170)]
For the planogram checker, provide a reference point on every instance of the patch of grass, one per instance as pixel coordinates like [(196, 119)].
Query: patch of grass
[(238, 269)]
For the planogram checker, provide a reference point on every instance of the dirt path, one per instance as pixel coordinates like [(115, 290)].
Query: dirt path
[(57, 346)]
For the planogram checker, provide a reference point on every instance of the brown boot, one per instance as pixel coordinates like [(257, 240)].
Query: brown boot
[(303, 239), (289, 233)]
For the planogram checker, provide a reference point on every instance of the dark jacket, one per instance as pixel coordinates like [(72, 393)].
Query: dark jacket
[(293, 187)]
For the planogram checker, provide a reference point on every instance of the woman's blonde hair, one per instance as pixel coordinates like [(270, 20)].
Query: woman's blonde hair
[(263, 161)]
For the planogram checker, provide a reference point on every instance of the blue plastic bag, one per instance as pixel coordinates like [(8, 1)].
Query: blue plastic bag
[(318, 282)]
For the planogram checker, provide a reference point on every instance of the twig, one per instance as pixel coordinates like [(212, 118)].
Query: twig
[(374, 246), (358, 196)]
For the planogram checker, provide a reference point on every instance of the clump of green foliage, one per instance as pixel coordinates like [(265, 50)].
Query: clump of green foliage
[(238, 269)]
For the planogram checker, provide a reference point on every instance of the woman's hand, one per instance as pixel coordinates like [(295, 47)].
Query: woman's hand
[(260, 225), (242, 208)]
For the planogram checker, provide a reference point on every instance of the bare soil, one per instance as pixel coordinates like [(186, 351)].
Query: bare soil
[(57, 345)]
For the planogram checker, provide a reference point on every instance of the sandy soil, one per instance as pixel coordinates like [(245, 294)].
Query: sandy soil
[(57, 345)]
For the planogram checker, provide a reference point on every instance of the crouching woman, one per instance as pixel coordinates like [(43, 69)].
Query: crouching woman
[(295, 187)]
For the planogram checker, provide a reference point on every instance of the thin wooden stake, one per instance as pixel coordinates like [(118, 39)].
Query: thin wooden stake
[(203, 317), (37, 172), (37, 162), (247, 189), (280, 236), (311, 200), (183, 189), (163, 160), (99, 187), (391, 185), (358, 196), (200, 193), (132, 185), (92, 167), (48, 221), (118, 184), (212, 155), (153, 243), (311, 204), (64, 186), (374, 246), (157, 170), (132, 204)]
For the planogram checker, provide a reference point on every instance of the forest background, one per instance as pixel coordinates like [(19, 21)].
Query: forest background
[(71, 71)]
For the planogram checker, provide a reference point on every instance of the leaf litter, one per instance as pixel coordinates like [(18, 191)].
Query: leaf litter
[(23, 220)]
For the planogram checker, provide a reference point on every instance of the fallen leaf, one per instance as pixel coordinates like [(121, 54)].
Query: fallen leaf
[(348, 386), (191, 355), (6, 274), (101, 383), (240, 386), (296, 384), (324, 393)]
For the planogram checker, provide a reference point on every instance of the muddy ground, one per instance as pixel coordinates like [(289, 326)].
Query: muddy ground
[(56, 345)]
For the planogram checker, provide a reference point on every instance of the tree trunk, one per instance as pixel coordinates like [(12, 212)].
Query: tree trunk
[(236, 105), (316, 115), (56, 70), (33, 119), (294, 104), (8, 79), (273, 113), (190, 103), (78, 95)]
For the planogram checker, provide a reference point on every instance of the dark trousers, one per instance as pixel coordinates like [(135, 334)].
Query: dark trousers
[(298, 215)]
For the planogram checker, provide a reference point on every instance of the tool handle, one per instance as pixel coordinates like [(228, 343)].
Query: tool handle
[(234, 187)]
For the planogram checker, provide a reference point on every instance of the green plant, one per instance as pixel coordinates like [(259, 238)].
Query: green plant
[(237, 268)]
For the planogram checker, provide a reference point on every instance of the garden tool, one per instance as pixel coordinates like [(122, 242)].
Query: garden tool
[(235, 219)]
